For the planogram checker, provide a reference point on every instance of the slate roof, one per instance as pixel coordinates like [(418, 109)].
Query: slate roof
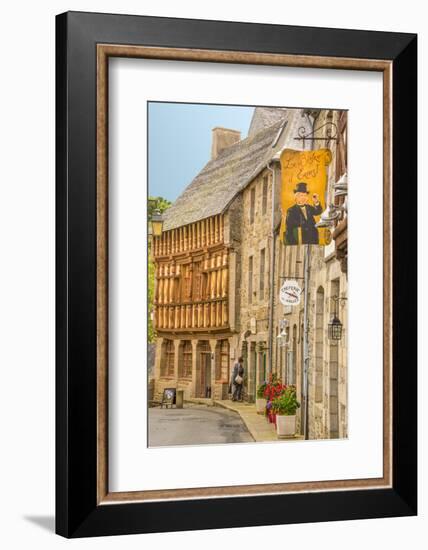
[(264, 117), (223, 178)]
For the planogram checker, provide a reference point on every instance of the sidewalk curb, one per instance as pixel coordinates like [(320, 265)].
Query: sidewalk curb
[(255, 434), (231, 408), (259, 429), (208, 402)]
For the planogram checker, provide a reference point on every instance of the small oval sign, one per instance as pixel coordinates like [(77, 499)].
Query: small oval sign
[(289, 293)]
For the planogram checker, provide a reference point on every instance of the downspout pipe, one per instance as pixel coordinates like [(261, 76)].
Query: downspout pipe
[(307, 268), (273, 252), (272, 272)]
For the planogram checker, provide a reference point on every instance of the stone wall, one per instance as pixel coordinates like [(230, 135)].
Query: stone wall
[(327, 375), (256, 247)]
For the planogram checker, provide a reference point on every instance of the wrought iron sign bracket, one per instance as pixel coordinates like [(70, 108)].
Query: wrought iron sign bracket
[(331, 130), (291, 277)]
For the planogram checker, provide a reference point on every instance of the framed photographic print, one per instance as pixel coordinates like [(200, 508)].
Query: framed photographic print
[(236, 274)]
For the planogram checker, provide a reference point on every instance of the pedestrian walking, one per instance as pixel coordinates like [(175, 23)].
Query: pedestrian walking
[(237, 380)]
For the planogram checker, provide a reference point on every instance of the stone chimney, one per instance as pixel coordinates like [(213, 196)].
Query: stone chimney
[(222, 138)]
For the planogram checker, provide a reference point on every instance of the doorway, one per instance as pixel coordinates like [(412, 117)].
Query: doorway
[(204, 370), (252, 371), (261, 364), (207, 377)]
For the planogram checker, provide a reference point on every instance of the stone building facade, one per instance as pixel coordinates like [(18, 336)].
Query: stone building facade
[(220, 265), (327, 295), (256, 246)]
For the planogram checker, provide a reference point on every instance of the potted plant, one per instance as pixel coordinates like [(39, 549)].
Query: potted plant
[(285, 407), (272, 390), (261, 399)]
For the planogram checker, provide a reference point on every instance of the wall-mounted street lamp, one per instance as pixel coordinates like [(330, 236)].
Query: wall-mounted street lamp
[(335, 326), (341, 186), (334, 211), (157, 223), (329, 216), (284, 336)]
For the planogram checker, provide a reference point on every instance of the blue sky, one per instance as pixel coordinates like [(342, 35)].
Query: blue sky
[(180, 141)]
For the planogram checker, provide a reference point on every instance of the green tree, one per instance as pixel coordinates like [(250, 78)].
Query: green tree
[(161, 204), (157, 203)]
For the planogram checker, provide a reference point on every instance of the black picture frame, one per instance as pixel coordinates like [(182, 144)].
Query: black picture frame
[(77, 511)]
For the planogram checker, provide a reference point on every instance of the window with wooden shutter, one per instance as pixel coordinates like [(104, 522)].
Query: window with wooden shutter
[(204, 286), (265, 195), (168, 363), (186, 360), (222, 361), (197, 282), (186, 283), (262, 273), (341, 148), (250, 279), (252, 204)]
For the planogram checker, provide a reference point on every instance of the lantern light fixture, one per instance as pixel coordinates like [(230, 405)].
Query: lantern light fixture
[(284, 336), (329, 216), (342, 183), (335, 328), (157, 223)]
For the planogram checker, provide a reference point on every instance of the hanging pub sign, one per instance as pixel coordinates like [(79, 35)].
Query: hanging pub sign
[(289, 293), (303, 192)]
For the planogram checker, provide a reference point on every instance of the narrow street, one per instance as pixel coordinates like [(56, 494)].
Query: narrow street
[(195, 425)]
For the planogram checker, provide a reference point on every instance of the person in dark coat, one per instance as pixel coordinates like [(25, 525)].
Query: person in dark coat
[(301, 215), (238, 370)]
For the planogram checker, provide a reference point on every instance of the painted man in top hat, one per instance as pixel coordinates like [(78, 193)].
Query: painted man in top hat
[(300, 216)]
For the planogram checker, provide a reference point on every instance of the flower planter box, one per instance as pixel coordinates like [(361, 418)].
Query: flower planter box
[(285, 425), (260, 406)]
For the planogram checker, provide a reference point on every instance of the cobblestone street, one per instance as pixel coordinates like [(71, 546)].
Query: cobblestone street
[(196, 425)]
